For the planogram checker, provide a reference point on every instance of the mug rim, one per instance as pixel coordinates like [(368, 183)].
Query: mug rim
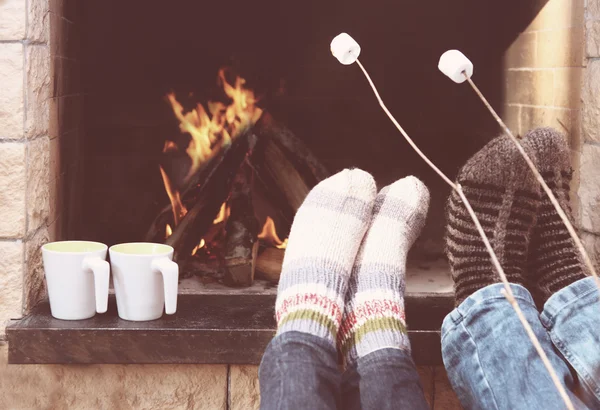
[(114, 249), (45, 246)]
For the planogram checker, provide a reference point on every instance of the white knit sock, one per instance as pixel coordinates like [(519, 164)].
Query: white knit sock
[(374, 317), (323, 242)]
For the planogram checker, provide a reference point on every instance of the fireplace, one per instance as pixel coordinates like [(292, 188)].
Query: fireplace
[(128, 70), (84, 120)]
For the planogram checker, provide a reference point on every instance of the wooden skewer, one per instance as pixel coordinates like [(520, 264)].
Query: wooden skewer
[(563, 216), (507, 291)]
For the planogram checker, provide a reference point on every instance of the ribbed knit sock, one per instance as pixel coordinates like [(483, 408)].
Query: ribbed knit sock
[(554, 262), (374, 317), (324, 240), (505, 197)]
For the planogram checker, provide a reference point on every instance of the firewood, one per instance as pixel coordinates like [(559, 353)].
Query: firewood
[(281, 182), (241, 230), (301, 157), (211, 194), (188, 189), (285, 168), (268, 264)]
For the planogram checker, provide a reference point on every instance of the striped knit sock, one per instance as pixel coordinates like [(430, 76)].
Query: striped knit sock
[(554, 262), (374, 315), (505, 197), (323, 243)]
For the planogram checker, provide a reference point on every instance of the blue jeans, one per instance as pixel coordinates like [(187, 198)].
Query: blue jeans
[(492, 364), (300, 371)]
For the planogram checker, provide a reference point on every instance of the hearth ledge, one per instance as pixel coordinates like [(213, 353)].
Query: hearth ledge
[(214, 327)]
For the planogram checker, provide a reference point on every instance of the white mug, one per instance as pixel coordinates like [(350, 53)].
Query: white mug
[(77, 276), (145, 279)]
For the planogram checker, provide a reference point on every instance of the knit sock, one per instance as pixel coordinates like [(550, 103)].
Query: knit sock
[(323, 243), (554, 261), (374, 317), (505, 197)]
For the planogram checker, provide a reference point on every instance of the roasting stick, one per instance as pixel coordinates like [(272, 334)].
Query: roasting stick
[(346, 50), (586, 258)]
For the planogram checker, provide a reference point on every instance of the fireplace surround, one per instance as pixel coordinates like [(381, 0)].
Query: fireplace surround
[(84, 84)]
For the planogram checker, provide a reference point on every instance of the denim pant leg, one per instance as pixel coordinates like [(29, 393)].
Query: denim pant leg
[(382, 380), (490, 361), (572, 317), (299, 371)]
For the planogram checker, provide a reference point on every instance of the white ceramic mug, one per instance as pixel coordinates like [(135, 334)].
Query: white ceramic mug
[(77, 276), (145, 279)]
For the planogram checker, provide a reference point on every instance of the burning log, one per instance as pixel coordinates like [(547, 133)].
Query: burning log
[(301, 157), (268, 264), (284, 166), (241, 229), (211, 194)]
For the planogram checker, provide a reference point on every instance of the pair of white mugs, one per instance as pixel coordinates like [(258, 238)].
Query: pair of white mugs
[(145, 279)]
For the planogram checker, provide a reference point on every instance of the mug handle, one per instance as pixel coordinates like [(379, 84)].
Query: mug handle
[(170, 274), (101, 270)]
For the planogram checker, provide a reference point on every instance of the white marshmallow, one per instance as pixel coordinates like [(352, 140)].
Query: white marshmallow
[(345, 49), (453, 63)]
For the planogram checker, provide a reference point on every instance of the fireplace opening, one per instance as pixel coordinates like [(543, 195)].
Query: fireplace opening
[(144, 61)]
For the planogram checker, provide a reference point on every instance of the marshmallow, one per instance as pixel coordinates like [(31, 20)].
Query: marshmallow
[(345, 49), (453, 63)]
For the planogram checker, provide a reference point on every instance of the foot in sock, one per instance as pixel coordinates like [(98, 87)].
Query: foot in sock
[(324, 240), (374, 315), (505, 197), (554, 261)]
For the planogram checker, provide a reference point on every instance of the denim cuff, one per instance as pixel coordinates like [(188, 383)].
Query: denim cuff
[(304, 338), (582, 290), (486, 294)]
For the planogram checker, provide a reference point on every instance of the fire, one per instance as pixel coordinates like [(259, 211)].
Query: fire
[(211, 129), (269, 234), (179, 210), (223, 214), (168, 231), (212, 132), (199, 246)]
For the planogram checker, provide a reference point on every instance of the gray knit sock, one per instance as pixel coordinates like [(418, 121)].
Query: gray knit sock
[(505, 197), (554, 262), (323, 243), (374, 317)]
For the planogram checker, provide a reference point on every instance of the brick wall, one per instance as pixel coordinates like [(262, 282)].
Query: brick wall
[(543, 70), (552, 80)]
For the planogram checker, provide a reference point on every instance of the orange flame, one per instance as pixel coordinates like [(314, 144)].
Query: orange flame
[(224, 213), (269, 235), (199, 246), (179, 210), (210, 131), (168, 231)]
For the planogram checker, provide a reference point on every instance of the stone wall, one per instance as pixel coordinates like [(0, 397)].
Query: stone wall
[(25, 196), (543, 71), (589, 190), (165, 387), (553, 79)]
